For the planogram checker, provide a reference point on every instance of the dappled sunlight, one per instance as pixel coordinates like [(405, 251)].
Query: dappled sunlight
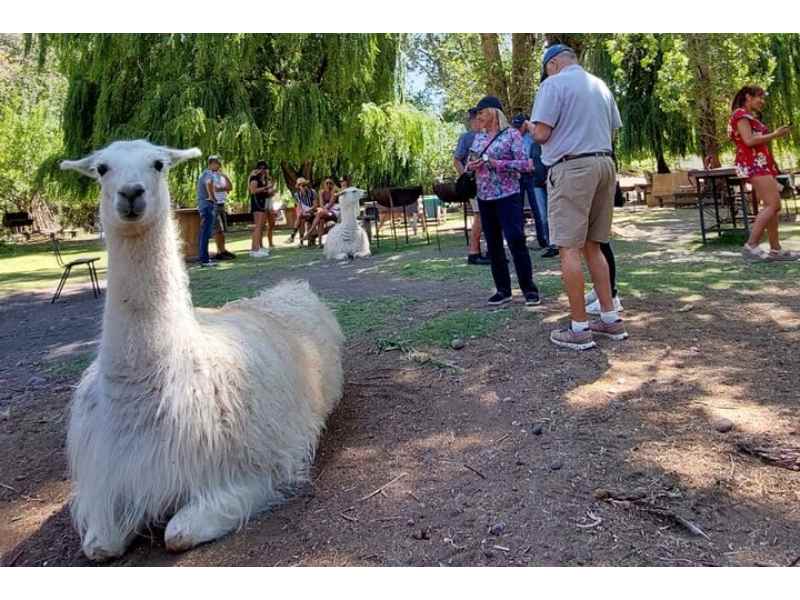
[(25, 513), (447, 441), (697, 465)]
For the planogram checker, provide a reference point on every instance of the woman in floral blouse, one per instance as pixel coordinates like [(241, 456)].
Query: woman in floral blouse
[(754, 160), (497, 157)]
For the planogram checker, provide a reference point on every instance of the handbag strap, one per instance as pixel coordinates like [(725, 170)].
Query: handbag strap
[(499, 133)]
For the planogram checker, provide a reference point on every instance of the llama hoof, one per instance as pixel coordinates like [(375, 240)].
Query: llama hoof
[(191, 527), (99, 551)]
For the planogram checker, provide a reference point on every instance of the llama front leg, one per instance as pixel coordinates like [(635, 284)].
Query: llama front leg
[(203, 521), (100, 547)]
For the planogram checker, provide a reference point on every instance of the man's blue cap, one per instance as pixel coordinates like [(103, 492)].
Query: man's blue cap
[(550, 53), (472, 112)]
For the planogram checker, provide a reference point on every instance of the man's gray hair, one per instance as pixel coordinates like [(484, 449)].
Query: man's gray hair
[(569, 54)]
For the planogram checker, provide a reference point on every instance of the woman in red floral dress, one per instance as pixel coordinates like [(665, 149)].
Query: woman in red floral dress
[(754, 160)]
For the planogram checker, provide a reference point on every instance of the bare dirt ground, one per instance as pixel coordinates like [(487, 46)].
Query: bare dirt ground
[(531, 455)]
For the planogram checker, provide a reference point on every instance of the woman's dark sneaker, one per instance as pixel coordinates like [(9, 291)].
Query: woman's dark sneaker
[(499, 299), (550, 252), (478, 259), (532, 299)]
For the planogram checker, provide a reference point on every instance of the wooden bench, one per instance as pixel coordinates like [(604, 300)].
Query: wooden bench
[(672, 189)]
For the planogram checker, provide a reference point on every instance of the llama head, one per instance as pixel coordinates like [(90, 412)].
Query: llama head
[(350, 197), (133, 182)]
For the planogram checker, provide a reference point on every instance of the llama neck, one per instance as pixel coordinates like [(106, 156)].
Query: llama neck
[(148, 298), (349, 215)]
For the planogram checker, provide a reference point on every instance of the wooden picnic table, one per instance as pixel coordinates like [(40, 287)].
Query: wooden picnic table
[(721, 200)]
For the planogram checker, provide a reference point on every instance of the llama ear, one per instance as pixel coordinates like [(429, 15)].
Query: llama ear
[(178, 156), (82, 166)]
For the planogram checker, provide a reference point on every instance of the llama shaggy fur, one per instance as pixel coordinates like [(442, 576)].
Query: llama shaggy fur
[(347, 239), (193, 418)]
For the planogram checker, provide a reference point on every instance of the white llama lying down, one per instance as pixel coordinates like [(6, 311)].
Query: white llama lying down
[(347, 239), (200, 418)]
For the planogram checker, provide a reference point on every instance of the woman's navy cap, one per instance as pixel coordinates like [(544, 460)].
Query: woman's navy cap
[(489, 102), (550, 54)]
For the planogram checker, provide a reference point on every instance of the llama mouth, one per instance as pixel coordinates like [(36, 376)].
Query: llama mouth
[(130, 216)]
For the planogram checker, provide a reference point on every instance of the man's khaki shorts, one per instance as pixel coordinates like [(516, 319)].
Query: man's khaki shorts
[(581, 200)]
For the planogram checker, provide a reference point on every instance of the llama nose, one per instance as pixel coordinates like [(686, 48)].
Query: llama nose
[(131, 192)]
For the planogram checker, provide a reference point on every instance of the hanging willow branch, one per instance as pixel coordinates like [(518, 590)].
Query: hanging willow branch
[(280, 97)]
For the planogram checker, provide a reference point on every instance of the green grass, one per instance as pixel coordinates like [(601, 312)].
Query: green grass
[(26, 267), (71, 367), (464, 324), (370, 315), (664, 257)]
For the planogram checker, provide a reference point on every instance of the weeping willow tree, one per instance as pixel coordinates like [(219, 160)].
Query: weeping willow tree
[(784, 90), (401, 144), (644, 81), (303, 102)]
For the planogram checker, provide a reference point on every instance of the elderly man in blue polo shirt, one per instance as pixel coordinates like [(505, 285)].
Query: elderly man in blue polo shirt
[(575, 118)]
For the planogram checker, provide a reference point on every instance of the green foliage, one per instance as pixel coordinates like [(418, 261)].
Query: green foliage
[(29, 122), (453, 65), (400, 144), (286, 98), (643, 78)]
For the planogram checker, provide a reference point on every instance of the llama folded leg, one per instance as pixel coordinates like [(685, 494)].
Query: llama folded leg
[(213, 516), (99, 547)]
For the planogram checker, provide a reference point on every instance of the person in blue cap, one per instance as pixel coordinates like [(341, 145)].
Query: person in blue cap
[(534, 186), (575, 119), (460, 157)]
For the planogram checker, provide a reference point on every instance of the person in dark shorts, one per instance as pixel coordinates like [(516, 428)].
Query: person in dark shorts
[(222, 185), (262, 190)]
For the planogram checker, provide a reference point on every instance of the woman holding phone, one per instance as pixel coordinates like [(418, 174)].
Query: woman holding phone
[(754, 160), (497, 157)]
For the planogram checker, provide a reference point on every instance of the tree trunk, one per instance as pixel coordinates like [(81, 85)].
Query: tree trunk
[(291, 173), (495, 75), (699, 61), (523, 73), (575, 41), (42, 215)]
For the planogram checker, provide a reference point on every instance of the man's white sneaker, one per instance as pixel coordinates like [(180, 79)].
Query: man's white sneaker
[(590, 297), (594, 307), (261, 253)]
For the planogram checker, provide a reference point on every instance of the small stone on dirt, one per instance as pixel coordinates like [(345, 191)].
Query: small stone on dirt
[(5, 414), (601, 494), (722, 424), (410, 522), (422, 534), (537, 428), (497, 528), (36, 381), (556, 465), (457, 344)]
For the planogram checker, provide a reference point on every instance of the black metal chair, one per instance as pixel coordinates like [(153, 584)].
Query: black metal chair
[(446, 191), (89, 262)]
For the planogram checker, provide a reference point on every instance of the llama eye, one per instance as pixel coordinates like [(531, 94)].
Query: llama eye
[(158, 165), (102, 169)]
